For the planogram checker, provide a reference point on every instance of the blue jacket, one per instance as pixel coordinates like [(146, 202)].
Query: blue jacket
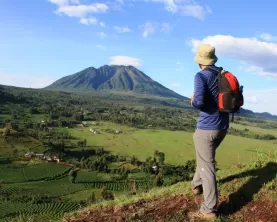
[(206, 100)]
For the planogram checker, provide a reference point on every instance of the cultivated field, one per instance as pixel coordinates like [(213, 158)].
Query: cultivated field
[(177, 145), (43, 191)]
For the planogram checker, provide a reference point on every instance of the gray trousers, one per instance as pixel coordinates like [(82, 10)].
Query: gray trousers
[(206, 142)]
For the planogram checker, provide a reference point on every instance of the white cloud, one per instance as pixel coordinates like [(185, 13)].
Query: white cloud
[(125, 60), (175, 84), (168, 4), (73, 8), (261, 100), (122, 29), (268, 37), (185, 7), (26, 80), (65, 2), (196, 11), (166, 27), (89, 21), (102, 35), (82, 11), (101, 47), (148, 29), (260, 56)]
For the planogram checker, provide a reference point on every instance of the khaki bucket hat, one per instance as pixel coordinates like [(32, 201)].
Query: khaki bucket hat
[(205, 55)]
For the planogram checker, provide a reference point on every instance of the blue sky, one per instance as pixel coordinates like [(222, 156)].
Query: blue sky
[(44, 40)]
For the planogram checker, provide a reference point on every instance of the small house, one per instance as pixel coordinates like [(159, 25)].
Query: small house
[(57, 159), (40, 155), (29, 155), (155, 168), (94, 131), (85, 123)]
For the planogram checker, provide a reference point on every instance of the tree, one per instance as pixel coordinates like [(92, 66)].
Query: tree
[(71, 175), (134, 187), (106, 194), (158, 181), (156, 154), (161, 158), (7, 132), (79, 116), (82, 162), (91, 199), (134, 160)]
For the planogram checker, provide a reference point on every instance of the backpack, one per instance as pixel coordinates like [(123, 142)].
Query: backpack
[(230, 97)]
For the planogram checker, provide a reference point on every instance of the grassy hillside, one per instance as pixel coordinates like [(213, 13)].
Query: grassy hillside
[(45, 191), (246, 193)]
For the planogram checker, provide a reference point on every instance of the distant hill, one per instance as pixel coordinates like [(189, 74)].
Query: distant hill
[(12, 94), (113, 79)]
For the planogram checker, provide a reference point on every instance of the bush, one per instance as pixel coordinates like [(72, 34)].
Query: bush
[(106, 194)]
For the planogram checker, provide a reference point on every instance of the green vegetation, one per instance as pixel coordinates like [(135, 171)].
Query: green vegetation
[(38, 212), (16, 173), (177, 145), (238, 185), (94, 149), (87, 177)]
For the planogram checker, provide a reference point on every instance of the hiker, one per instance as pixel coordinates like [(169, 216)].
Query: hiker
[(210, 131)]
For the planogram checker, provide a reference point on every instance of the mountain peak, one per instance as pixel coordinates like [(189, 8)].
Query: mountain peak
[(113, 78)]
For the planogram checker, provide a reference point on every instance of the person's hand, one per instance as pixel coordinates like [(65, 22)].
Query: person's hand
[(191, 98)]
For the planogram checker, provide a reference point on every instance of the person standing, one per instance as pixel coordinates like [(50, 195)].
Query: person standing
[(211, 130)]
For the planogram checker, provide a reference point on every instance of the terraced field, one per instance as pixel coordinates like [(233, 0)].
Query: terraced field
[(86, 177), (12, 173), (40, 212)]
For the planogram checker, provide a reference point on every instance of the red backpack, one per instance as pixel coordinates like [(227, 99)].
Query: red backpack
[(230, 97)]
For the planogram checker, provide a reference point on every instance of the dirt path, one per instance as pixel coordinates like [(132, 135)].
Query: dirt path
[(174, 208)]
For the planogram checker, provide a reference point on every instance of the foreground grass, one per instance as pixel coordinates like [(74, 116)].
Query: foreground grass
[(251, 181)]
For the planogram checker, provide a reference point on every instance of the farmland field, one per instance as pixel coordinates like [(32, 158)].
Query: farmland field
[(13, 173), (255, 129), (177, 145), (44, 191), (86, 177), (19, 146)]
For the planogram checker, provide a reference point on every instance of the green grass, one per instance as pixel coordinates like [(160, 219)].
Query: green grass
[(52, 188), (11, 173), (87, 176), (84, 194), (254, 129), (251, 181), (18, 147), (177, 145), (139, 176), (36, 212), (37, 117)]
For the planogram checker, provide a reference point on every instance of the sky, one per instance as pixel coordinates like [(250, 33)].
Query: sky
[(44, 40)]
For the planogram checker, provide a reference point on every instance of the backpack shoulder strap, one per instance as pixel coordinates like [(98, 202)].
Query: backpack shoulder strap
[(218, 75), (221, 70)]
